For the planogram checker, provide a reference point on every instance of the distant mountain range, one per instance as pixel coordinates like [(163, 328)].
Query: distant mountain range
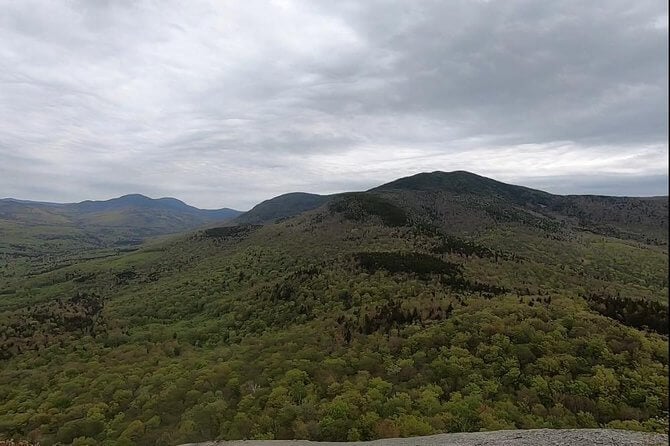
[(460, 198), (120, 221), (154, 214)]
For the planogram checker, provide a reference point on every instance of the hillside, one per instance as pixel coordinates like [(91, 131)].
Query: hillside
[(283, 206), (444, 302), (641, 219)]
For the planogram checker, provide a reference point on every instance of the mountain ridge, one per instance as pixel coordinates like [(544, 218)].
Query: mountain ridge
[(139, 216), (456, 182), (129, 199), (480, 198), (420, 181), (71, 227)]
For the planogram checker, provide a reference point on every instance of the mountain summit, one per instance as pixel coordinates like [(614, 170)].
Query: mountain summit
[(463, 182)]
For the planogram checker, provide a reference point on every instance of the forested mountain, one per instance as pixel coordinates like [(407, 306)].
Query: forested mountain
[(643, 219), (441, 302), (283, 206), (29, 227)]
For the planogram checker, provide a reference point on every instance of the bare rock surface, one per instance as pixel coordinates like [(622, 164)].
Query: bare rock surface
[(534, 437)]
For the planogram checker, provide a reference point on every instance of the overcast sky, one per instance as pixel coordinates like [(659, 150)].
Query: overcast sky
[(226, 103)]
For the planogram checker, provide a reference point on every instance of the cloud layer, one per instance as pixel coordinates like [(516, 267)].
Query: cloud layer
[(228, 103)]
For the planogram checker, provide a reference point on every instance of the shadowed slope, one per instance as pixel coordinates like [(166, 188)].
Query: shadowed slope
[(283, 206)]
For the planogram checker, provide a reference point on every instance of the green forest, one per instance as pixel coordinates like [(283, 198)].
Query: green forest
[(375, 315)]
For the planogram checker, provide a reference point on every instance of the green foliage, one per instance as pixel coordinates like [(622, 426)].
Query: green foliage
[(633, 312), (450, 244), (408, 262), (360, 206), (230, 231)]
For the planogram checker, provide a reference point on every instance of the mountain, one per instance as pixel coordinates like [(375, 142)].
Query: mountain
[(136, 204), (643, 219), (462, 182), (443, 302), (125, 202), (479, 199), (72, 227), (283, 206)]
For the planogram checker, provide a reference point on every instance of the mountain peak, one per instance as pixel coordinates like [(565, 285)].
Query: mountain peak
[(458, 179), (135, 200), (461, 182), (131, 197)]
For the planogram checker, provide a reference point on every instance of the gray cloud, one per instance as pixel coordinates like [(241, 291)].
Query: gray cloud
[(229, 103)]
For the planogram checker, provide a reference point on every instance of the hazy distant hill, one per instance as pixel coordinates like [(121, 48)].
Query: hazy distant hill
[(160, 214), (119, 221)]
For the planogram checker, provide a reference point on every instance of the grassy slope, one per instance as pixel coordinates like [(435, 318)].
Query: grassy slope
[(277, 332)]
